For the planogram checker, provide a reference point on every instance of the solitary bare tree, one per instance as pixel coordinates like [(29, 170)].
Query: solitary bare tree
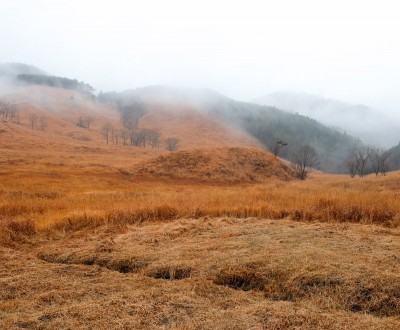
[(304, 160), (172, 143)]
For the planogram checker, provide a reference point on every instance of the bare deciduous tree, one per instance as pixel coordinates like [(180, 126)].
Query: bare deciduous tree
[(8, 110), (378, 160), (33, 119), (361, 156), (105, 131), (4, 109), (153, 137), (124, 135), (14, 113), (172, 143), (42, 123), (351, 165), (137, 137), (142, 138), (85, 122), (115, 134), (304, 160), (131, 113)]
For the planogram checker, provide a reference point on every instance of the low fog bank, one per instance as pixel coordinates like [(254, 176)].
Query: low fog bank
[(370, 125), (7, 86)]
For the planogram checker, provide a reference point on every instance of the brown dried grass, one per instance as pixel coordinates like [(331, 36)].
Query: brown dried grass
[(208, 273), (70, 198), (86, 244)]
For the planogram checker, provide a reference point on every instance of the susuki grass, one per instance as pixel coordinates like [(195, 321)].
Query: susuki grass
[(70, 198), (208, 273), (86, 241)]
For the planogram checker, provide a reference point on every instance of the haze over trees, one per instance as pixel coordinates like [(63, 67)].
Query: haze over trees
[(85, 121), (393, 159), (54, 81), (172, 143), (33, 119), (267, 124), (356, 119), (9, 111), (131, 113), (105, 131), (42, 123), (282, 132), (276, 146), (21, 73), (15, 69)]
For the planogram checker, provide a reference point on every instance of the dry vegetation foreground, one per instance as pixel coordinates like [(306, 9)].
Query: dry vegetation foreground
[(207, 273), (96, 247)]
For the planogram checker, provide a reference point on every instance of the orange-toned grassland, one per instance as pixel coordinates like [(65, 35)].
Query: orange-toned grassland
[(97, 236)]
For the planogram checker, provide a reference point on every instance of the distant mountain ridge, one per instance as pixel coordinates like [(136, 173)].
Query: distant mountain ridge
[(358, 120)]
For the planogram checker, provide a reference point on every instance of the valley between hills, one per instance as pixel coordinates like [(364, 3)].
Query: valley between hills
[(193, 225)]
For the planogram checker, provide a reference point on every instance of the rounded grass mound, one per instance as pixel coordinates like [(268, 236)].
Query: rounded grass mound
[(216, 165)]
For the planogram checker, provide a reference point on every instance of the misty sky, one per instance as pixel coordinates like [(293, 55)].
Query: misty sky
[(345, 49)]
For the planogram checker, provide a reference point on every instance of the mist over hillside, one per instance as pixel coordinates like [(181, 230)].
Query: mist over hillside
[(15, 69), (264, 125), (394, 157), (370, 125), (143, 185), (267, 124)]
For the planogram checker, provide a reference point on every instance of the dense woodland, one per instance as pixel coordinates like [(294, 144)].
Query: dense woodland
[(54, 81)]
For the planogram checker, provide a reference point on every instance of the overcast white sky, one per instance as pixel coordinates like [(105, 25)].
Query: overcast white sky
[(345, 49)]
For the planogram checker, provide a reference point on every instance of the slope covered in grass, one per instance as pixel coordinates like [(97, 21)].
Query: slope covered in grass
[(266, 124), (218, 165), (220, 273)]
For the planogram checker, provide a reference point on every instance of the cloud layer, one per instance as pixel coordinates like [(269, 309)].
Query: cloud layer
[(340, 49)]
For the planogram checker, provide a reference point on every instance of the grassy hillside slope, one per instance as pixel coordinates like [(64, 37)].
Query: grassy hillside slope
[(266, 124)]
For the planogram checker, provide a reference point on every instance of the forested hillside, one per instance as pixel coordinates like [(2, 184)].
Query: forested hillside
[(359, 120), (267, 124), (394, 158)]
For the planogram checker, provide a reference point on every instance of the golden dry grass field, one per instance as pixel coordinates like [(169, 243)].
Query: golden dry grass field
[(97, 236)]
